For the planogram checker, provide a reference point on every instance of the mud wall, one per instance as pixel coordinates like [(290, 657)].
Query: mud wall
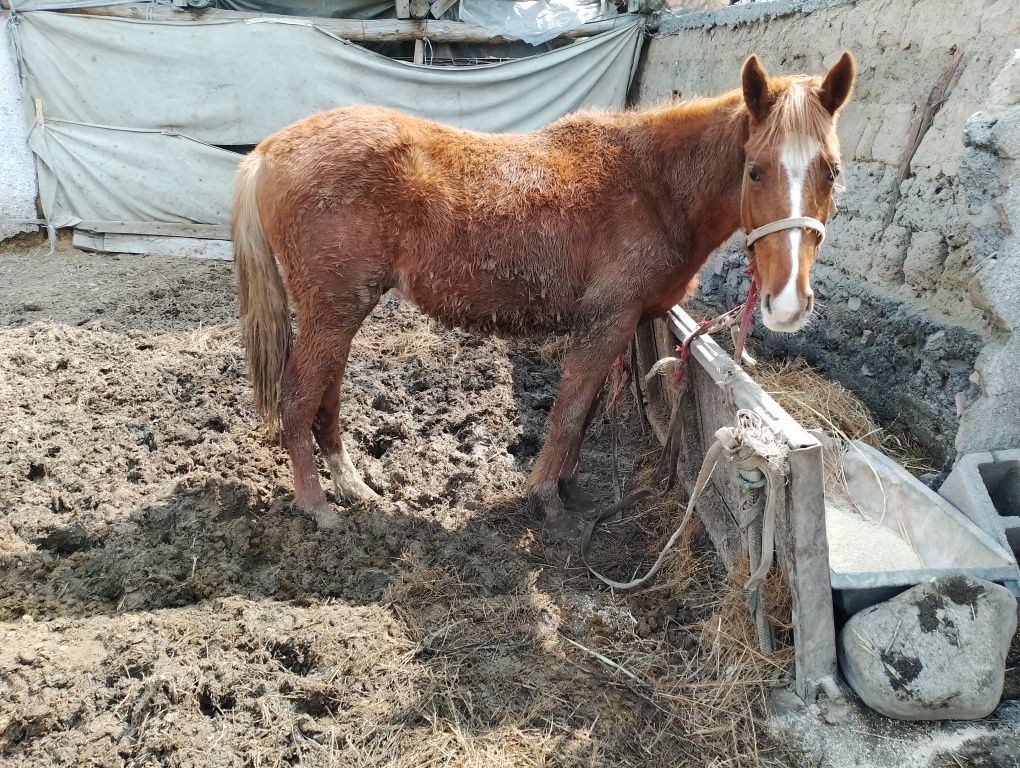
[(17, 174), (920, 290)]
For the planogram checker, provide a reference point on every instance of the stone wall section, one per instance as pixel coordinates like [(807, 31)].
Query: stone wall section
[(919, 290)]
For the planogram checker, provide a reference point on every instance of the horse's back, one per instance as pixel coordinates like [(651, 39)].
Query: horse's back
[(490, 231)]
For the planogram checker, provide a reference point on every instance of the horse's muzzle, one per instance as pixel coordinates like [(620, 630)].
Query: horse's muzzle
[(786, 316)]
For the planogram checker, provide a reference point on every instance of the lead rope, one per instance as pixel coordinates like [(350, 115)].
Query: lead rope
[(759, 456)]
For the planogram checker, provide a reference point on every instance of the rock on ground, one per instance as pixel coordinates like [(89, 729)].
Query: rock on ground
[(935, 652)]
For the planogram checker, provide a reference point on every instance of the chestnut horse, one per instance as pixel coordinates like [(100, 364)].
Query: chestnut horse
[(587, 227)]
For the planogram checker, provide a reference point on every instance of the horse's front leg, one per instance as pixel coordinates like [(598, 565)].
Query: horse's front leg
[(593, 349), (575, 497)]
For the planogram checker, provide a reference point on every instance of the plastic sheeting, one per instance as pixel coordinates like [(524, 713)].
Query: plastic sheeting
[(63, 5), (533, 21), (92, 173), (336, 9), (135, 112)]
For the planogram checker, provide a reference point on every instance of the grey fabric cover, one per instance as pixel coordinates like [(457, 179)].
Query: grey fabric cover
[(327, 9), (134, 112)]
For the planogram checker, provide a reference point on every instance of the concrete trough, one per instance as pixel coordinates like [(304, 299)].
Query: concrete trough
[(889, 532)]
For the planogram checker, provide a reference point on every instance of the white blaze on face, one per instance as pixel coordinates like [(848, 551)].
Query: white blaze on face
[(796, 157)]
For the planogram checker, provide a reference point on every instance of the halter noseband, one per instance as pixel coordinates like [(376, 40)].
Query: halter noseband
[(797, 222)]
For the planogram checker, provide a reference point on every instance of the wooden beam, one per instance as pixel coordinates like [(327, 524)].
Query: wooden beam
[(403, 9), (155, 228), (372, 31), (28, 222), (149, 245), (419, 9), (419, 51), (803, 548), (745, 391)]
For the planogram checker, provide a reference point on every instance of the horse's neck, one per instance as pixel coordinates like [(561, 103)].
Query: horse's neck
[(698, 151)]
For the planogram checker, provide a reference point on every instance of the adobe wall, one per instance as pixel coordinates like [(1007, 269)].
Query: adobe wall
[(920, 293)]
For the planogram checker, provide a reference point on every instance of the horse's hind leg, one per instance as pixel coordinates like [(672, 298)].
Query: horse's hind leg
[(346, 480), (308, 372)]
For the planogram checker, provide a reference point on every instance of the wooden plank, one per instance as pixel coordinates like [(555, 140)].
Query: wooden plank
[(149, 245), (711, 408), (403, 9), (718, 389), (369, 31), (36, 222), (441, 7), (746, 392), (419, 51), (167, 229), (88, 241)]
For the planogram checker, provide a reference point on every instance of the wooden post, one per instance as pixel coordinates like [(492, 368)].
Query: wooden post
[(804, 551), (419, 51), (403, 9)]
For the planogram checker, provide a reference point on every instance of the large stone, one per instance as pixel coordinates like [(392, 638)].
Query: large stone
[(934, 652)]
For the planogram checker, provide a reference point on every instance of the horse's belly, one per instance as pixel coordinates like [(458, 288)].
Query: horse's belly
[(485, 303)]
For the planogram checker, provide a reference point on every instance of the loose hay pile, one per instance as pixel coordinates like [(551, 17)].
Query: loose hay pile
[(161, 605), (820, 403)]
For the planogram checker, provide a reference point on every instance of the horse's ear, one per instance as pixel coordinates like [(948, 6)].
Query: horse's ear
[(755, 83), (838, 83)]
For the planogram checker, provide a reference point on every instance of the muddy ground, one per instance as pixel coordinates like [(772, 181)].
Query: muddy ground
[(161, 604)]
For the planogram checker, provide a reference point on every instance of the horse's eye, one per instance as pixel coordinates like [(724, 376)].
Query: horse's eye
[(833, 173), (754, 174)]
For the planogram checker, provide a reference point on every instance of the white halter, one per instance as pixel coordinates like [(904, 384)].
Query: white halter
[(793, 223)]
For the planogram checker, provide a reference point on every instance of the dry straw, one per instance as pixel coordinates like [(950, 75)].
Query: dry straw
[(819, 403)]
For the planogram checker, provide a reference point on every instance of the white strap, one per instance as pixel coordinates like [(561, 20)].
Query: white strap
[(795, 223)]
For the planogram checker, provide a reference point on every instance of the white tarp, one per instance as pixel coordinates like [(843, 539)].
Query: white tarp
[(134, 111), (17, 174)]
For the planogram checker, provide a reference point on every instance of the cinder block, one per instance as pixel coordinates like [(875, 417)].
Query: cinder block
[(986, 488)]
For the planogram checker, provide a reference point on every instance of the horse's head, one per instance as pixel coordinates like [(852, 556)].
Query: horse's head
[(792, 165)]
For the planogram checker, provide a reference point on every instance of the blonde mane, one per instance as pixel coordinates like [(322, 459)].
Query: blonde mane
[(798, 117)]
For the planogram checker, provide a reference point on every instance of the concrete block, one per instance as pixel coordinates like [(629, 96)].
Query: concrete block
[(986, 488)]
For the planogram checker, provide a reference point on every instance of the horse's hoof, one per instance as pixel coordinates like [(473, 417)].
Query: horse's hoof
[(356, 492), (555, 519), (325, 517), (347, 482), (327, 520), (575, 498)]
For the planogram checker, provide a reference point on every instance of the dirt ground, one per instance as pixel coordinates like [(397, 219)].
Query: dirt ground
[(163, 604), (160, 603)]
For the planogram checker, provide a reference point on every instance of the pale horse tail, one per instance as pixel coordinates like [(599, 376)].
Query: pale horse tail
[(265, 317)]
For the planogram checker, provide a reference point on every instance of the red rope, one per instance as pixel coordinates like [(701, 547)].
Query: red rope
[(746, 312)]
